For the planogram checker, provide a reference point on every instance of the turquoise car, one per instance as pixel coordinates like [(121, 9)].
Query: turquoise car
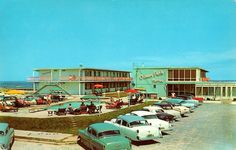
[(6, 136), (178, 101), (103, 136)]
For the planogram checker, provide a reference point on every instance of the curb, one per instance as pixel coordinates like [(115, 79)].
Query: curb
[(45, 141)]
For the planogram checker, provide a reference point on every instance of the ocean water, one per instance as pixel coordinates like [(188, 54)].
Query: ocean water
[(16, 84)]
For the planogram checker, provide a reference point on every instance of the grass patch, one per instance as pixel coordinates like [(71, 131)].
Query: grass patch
[(64, 124)]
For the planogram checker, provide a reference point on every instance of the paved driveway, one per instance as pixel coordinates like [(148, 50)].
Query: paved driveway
[(210, 127)]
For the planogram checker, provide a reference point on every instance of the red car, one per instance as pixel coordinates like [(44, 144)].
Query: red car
[(200, 99)]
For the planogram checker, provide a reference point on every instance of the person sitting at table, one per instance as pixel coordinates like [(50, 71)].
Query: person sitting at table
[(69, 108)]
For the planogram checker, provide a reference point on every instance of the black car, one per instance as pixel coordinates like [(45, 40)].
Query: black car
[(163, 116)]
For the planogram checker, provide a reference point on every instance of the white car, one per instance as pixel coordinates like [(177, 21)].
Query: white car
[(173, 112), (152, 119), (182, 109), (135, 128)]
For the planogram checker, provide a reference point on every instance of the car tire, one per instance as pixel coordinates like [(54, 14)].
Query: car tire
[(79, 140), (12, 142)]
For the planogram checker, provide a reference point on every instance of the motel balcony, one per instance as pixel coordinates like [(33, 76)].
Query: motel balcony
[(77, 79)]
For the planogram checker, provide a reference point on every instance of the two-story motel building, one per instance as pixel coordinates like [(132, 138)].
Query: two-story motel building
[(80, 80), (163, 81)]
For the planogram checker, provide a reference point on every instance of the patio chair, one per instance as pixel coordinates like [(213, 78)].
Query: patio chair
[(115, 105), (83, 110), (61, 111), (133, 101), (76, 111), (4, 108), (91, 109)]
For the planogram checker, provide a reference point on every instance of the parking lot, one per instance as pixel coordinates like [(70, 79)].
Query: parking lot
[(210, 127)]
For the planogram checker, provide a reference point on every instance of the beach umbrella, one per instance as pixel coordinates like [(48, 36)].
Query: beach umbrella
[(98, 86), (131, 91)]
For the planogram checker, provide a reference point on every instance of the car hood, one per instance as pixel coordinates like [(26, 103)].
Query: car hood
[(3, 140), (158, 122)]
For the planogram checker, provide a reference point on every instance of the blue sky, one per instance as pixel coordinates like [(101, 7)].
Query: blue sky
[(115, 34)]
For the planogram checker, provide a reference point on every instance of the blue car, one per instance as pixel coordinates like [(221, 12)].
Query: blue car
[(6, 136), (181, 102)]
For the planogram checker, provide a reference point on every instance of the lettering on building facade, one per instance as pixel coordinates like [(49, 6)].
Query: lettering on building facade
[(154, 74)]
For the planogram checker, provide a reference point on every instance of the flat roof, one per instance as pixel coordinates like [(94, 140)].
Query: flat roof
[(101, 127), (45, 69), (131, 118), (170, 68)]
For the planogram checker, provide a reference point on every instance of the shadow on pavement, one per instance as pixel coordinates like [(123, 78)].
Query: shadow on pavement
[(138, 143)]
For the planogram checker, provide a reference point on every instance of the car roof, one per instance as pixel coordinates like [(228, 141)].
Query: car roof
[(152, 107), (3, 126), (101, 127), (131, 118), (142, 113), (174, 99)]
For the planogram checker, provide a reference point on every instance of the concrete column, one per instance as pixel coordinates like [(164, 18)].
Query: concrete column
[(202, 91), (221, 91), (33, 83), (226, 91), (51, 75), (231, 93)]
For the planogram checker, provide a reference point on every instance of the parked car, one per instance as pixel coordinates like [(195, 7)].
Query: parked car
[(189, 99), (160, 113), (152, 119), (169, 111), (190, 96), (168, 105), (103, 136), (135, 128), (181, 102), (6, 136)]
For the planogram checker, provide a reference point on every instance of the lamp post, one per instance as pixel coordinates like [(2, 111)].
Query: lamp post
[(98, 93)]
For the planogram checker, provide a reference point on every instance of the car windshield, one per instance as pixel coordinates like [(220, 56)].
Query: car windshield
[(108, 133), (138, 123), (1, 133), (150, 117)]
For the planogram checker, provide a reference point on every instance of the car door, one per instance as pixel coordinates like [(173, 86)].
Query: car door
[(8, 137), (86, 137), (94, 142)]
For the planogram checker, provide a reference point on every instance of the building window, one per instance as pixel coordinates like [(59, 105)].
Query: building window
[(223, 91), (229, 91), (193, 75), (234, 91), (217, 91), (205, 91), (199, 91), (211, 91), (154, 86), (181, 75), (187, 75)]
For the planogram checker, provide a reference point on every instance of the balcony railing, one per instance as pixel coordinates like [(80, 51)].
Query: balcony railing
[(77, 78)]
